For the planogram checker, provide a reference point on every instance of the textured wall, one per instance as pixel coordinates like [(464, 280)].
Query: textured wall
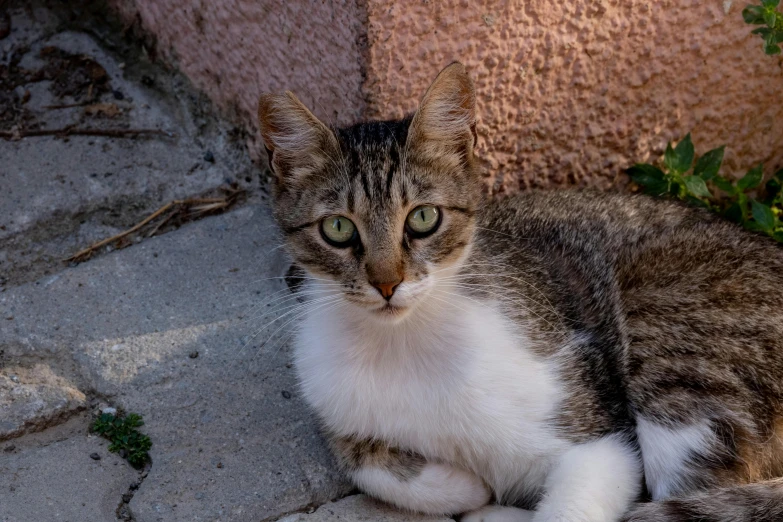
[(572, 92), (236, 49), (569, 92)]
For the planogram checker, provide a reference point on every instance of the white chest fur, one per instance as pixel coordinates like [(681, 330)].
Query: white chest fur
[(455, 383)]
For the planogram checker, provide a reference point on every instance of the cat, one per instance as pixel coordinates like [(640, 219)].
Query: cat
[(551, 356)]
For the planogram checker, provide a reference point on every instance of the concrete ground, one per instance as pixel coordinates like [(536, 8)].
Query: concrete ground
[(177, 323)]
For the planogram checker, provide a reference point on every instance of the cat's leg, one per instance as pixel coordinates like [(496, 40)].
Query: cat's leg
[(407, 480), (592, 482), (496, 513)]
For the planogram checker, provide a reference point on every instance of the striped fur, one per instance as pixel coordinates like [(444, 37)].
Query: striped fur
[(568, 352)]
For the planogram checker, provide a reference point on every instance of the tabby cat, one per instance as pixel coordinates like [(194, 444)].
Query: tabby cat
[(554, 356)]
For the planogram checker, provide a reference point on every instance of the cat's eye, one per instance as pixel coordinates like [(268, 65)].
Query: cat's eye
[(423, 221), (339, 231)]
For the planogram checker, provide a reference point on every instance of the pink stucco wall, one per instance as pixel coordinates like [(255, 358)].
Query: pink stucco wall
[(572, 92), (568, 92), (234, 50)]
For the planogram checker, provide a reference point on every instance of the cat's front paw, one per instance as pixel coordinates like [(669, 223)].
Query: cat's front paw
[(498, 514)]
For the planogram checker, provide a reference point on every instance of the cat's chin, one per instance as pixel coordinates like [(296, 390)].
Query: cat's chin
[(390, 313)]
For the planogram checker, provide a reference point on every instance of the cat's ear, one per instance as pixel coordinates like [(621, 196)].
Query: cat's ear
[(444, 126), (297, 142)]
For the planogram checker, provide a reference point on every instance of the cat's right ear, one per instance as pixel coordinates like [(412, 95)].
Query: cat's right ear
[(297, 142)]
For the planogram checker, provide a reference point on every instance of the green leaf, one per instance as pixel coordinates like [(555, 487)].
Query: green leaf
[(778, 235), (657, 189), (684, 153), (697, 202), (709, 164), (770, 17), (724, 184), (763, 215), (752, 225), (771, 49), (645, 174), (669, 158), (763, 31), (734, 213), (770, 4), (697, 187), (752, 179), (753, 14)]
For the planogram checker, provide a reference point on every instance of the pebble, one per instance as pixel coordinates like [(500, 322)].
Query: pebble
[(95, 456), (109, 410), (193, 354), (208, 156), (9, 448), (118, 95), (286, 394)]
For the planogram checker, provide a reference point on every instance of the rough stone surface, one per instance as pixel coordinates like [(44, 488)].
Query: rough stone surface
[(232, 439), (573, 92), (33, 398), (569, 93), (58, 481), (61, 194), (358, 508), (237, 49), (226, 443)]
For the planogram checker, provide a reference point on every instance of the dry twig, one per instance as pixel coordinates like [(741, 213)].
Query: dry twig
[(191, 208), (71, 131)]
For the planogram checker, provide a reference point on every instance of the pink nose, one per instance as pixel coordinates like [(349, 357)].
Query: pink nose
[(387, 289)]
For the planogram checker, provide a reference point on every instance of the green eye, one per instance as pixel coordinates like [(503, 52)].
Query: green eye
[(423, 220), (338, 231)]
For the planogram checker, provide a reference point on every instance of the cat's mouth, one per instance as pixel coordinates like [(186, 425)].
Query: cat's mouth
[(390, 310)]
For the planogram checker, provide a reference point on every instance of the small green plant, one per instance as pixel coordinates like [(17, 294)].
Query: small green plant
[(125, 439), (683, 179), (766, 15)]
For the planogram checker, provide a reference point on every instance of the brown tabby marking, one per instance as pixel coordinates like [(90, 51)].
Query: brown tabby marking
[(353, 453)]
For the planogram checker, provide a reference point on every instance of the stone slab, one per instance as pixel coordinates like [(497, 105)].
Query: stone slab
[(60, 482), (33, 398), (166, 329), (359, 508)]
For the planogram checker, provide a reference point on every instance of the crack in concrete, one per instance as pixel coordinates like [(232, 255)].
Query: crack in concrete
[(123, 510), (310, 507)]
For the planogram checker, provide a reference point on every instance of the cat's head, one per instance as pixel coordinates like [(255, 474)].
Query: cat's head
[(381, 210)]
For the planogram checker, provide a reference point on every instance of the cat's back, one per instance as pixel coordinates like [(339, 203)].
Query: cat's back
[(691, 303), (640, 236), (575, 214)]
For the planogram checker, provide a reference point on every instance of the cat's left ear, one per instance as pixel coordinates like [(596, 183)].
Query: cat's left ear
[(297, 142), (444, 126)]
